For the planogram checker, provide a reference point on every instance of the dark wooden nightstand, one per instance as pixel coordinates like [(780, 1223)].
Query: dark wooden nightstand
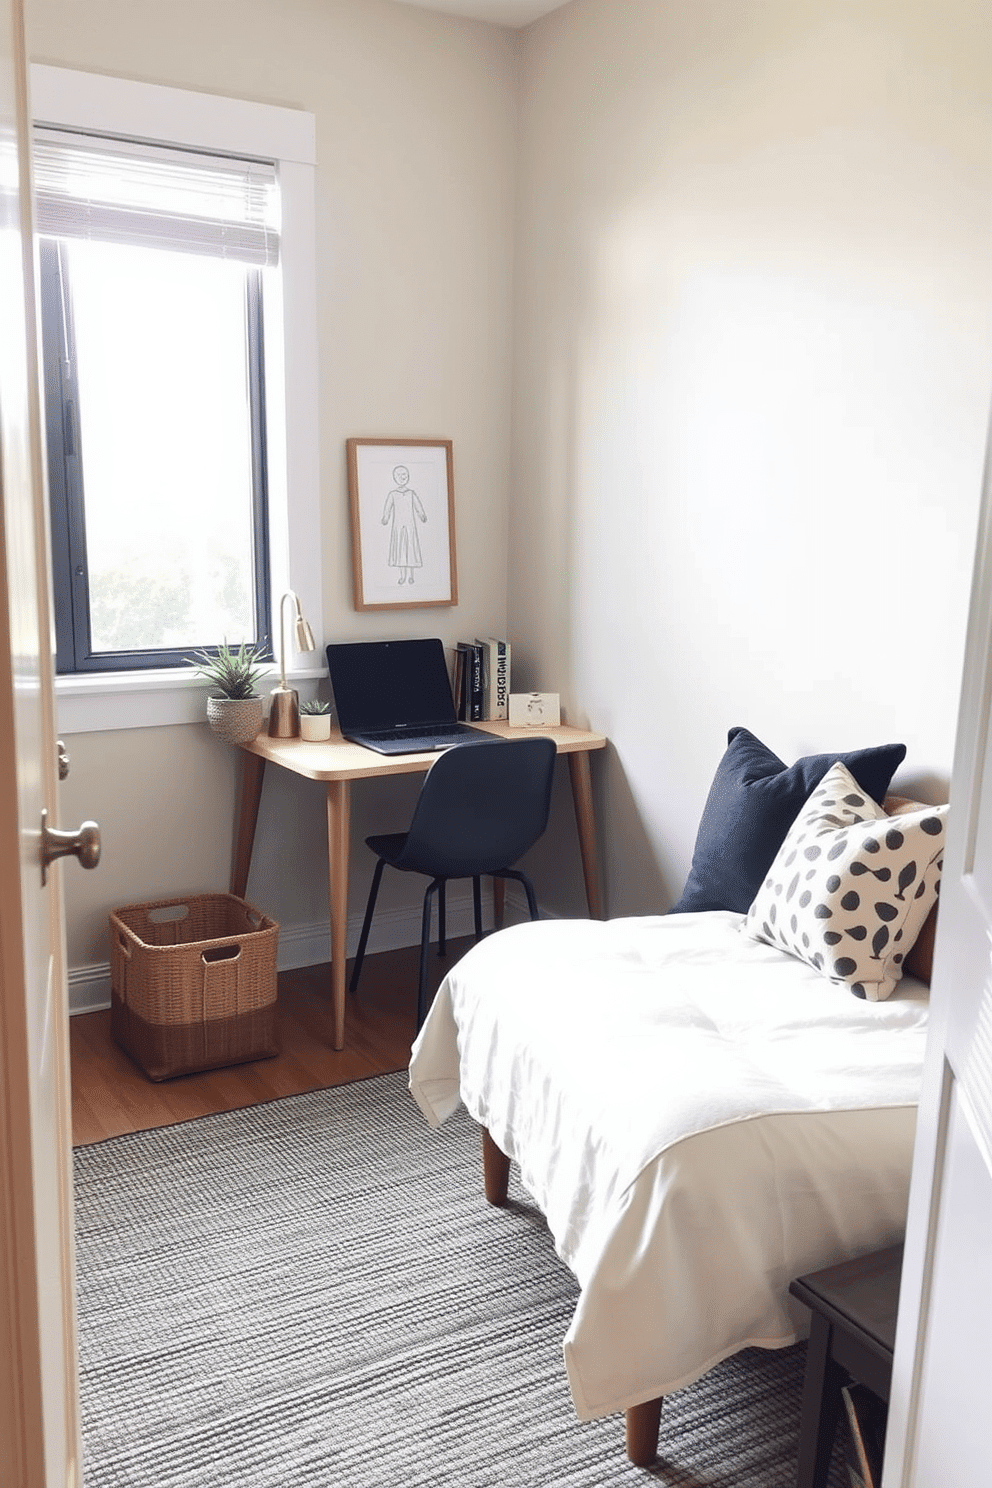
[(852, 1335)]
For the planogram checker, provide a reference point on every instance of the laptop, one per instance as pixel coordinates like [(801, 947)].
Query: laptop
[(395, 696)]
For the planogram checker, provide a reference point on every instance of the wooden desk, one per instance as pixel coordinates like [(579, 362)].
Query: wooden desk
[(338, 763)]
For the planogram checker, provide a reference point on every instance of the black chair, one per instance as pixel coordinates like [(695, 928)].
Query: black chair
[(480, 808)]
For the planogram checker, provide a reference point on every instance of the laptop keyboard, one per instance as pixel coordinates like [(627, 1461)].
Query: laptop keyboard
[(415, 742), (389, 735)]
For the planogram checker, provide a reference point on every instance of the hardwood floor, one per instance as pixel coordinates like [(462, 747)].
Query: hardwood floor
[(111, 1094)]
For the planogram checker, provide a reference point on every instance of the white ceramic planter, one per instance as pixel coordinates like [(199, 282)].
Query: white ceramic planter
[(315, 726), (235, 720)]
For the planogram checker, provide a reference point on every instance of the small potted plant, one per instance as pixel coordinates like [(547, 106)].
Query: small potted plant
[(234, 708), (315, 719)]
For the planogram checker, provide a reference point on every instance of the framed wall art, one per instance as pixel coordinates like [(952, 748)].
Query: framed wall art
[(402, 495)]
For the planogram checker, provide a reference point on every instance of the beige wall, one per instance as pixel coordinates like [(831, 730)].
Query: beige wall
[(751, 317), (753, 362), (415, 125)]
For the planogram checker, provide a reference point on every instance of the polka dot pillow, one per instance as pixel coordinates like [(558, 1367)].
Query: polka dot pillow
[(851, 887)]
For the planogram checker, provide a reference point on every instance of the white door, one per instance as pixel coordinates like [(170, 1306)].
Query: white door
[(39, 1433), (940, 1415)]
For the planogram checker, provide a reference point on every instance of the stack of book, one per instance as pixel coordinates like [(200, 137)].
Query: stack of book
[(481, 681)]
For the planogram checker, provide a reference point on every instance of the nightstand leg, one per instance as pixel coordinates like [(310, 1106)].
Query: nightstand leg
[(821, 1406)]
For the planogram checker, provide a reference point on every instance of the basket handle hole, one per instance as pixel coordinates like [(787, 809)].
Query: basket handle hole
[(221, 953), (167, 914)]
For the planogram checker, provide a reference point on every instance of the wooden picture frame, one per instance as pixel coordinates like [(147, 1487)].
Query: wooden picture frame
[(402, 498)]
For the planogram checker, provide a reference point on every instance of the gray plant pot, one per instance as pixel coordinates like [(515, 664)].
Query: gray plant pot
[(235, 720)]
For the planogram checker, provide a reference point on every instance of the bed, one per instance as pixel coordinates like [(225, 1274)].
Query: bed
[(701, 1113)]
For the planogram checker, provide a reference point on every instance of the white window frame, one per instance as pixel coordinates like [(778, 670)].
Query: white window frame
[(151, 112)]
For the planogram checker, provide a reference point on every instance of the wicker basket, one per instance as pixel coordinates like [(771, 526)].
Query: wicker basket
[(193, 983)]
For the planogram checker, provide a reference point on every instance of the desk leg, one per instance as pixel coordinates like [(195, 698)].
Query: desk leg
[(578, 768), (338, 837), (250, 792)]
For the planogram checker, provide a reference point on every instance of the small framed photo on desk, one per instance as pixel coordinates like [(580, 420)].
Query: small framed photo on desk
[(402, 496), (535, 709)]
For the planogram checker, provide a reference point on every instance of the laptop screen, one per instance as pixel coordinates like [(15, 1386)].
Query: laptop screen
[(381, 685)]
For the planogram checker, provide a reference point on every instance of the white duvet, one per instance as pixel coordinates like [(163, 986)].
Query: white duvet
[(700, 1117)]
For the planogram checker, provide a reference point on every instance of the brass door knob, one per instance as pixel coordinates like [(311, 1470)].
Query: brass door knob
[(83, 844)]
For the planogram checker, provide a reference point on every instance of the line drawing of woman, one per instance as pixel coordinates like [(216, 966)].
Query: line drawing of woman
[(404, 509)]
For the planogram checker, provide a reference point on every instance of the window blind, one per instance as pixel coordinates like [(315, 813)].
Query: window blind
[(121, 191)]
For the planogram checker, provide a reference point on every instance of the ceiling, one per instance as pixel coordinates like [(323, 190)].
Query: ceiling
[(502, 12)]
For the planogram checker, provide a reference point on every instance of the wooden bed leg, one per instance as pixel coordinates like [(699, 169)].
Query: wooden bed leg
[(495, 1168), (642, 1431)]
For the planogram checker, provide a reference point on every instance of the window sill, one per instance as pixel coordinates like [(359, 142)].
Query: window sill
[(130, 700)]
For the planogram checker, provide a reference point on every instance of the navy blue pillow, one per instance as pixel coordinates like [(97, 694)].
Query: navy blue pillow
[(753, 801)]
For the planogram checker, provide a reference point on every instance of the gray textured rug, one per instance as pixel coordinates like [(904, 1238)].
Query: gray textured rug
[(314, 1292)]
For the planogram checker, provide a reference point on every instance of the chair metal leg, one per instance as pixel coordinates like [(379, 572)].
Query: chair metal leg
[(528, 889), (425, 938), (356, 970), (442, 948), (477, 905)]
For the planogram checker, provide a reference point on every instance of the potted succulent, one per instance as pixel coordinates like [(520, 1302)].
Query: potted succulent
[(315, 719), (234, 708)]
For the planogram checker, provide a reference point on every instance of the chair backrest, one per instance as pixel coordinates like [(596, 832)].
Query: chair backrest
[(480, 808)]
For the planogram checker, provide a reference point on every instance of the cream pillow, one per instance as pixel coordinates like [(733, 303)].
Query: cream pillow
[(851, 887)]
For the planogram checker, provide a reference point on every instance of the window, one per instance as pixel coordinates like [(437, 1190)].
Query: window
[(248, 494), (154, 388)]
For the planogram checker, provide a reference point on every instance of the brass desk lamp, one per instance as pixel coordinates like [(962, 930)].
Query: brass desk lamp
[(284, 711)]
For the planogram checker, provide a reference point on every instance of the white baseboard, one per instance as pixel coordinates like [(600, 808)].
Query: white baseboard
[(309, 945)]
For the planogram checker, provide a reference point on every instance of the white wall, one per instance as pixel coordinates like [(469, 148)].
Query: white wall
[(753, 364), (415, 119)]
